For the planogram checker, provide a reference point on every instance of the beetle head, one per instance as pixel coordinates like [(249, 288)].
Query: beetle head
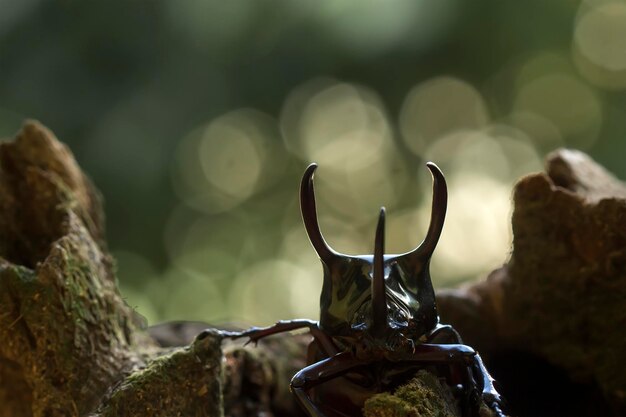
[(381, 296)]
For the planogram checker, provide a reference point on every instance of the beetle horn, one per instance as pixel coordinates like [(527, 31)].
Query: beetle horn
[(309, 216), (437, 216), (379, 298)]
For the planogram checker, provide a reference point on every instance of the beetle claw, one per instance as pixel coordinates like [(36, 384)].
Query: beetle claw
[(251, 340)]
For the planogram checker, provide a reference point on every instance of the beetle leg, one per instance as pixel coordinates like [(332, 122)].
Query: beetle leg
[(319, 373), (444, 353), (490, 396), (444, 333), (460, 376), (256, 333)]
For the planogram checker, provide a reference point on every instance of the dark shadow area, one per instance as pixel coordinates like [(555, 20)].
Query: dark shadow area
[(17, 395), (533, 387)]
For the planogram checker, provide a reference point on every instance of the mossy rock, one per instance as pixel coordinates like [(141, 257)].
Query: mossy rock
[(423, 396)]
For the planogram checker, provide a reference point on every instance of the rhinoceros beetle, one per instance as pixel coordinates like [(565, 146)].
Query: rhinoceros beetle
[(378, 323)]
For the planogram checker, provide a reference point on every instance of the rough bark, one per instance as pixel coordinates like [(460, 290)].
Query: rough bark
[(69, 341), (560, 298)]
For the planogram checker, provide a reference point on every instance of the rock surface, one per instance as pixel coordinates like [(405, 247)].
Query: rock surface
[(70, 344), (561, 297), (66, 332)]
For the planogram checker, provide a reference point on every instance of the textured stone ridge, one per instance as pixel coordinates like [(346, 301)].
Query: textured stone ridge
[(567, 273), (40, 185), (184, 382), (68, 337), (561, 296), (65, 328)]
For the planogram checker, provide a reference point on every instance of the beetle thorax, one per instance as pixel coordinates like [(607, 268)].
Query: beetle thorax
[(348, 304)]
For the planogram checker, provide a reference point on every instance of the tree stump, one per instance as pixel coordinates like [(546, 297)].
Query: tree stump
[(558, 305), (70, 344)]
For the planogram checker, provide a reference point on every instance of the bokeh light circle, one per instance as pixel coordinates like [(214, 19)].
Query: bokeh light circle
[(600, 44), (437, 107), (335, 124), (601, 35), (222, 164), (572, 106), (481, 167), (229, 160), (191, 296), (541, 131), (269, 291)]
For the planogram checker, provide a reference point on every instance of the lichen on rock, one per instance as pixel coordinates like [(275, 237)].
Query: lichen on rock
[(183, 382), (565, 296), (423, 396), (60, 308), (68, 337), (560, 297)]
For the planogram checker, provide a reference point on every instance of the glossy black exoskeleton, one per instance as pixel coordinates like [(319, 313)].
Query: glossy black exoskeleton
[(379, 323)]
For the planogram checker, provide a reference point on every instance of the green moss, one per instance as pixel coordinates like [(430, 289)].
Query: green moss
[(62, 316), (181, 382), (388, 405), (423, 396), (67, 333)]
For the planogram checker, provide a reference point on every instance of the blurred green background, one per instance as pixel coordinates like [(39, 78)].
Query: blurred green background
[(197, 118)]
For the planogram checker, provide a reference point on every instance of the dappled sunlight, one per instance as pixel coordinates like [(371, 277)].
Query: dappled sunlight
[(358, 194), (345, 236), (201, 237), (481, 167), (346, 130), (380, 25), (599, 43), (266, 291), (404, 229), (297, 249), (341, 127), (571, 105), (476, 237), (222, 164), (229, 159), (198, 123), (190, 296), (378, 185), (543, 133), (438, 107), (208, 260), (190, 183)]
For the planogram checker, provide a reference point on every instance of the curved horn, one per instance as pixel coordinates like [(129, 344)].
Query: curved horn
[(437, 215), (309, 216), (379, 297)]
